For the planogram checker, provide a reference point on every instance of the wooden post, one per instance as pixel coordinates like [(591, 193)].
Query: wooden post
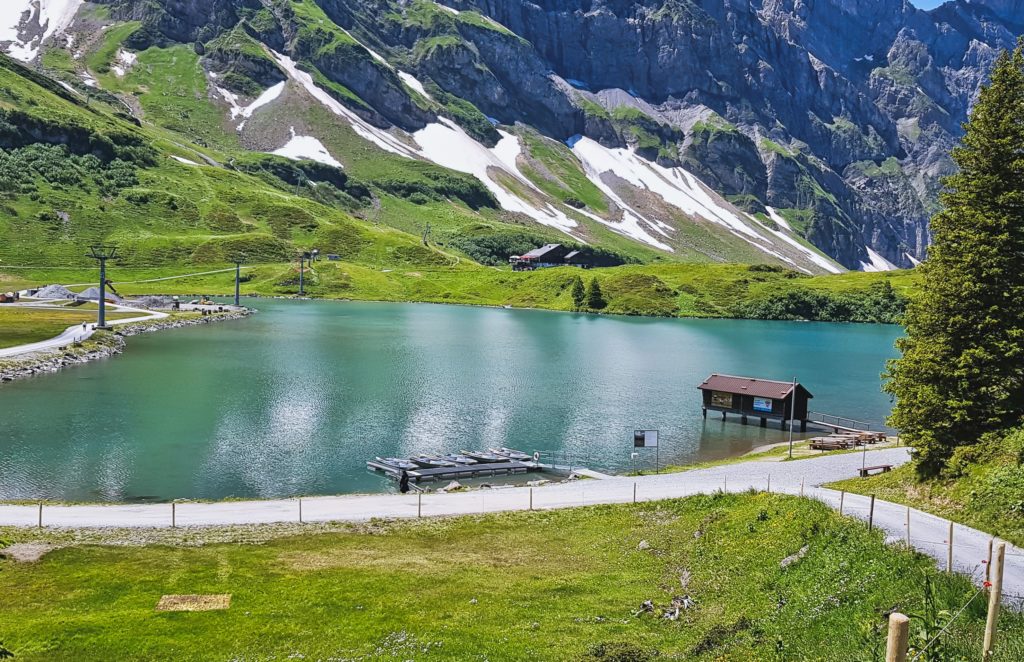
[(419, 504), (801, 486), (725, 483), (300, 510), (908, 526), (634, 491), (949, 560), (769, 483), (871, 514), (988, 564), (174, 515), (842, 497), (899, 637), (531, 498), (995, 595), (40, 514)]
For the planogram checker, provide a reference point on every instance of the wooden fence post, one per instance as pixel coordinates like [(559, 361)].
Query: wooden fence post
[(634, 491), (908, 526), (174, 515), (842, 497), (871, 515), (949, 560), (899, 637), (531, 498), (769, 483), (40, 514), (801, 486), (300, 510), (419, 504), (994, 596)]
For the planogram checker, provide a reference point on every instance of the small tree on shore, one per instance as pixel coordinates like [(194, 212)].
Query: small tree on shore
[(595, 298), (579, 293), (961, 374)]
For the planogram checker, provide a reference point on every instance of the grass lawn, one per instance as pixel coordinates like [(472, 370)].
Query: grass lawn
[(20, 325), (561, 585)]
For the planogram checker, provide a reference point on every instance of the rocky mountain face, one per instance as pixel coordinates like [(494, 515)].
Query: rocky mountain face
[(820, 121)]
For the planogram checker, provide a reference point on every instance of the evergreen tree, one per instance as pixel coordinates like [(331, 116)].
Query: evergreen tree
[(595, 298), (579, 294), (961, 373)]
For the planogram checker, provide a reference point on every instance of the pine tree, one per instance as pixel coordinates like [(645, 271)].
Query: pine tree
[(579, 294), (961, 374), (595, 298)]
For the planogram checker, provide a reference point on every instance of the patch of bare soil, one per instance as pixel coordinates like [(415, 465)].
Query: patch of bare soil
[(194, 602), (27, 552)]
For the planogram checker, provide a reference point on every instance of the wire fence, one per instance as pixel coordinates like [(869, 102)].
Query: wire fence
[(945, 628)]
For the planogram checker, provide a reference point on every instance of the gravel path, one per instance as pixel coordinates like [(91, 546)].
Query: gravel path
[(929, 534), (78, 333)]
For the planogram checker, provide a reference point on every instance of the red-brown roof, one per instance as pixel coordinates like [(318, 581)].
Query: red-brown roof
[(761, 388)]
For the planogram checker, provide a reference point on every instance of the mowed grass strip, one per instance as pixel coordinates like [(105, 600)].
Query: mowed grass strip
[(560, 585), (20, 325)]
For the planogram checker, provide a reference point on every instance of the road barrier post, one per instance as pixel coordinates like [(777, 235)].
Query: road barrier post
[(842, 497), (174, 515), (908, 525), (949, 560), (769, 483), (419, 504), (899, 638), (988, 564), (531, 498), (300, 510), (871, 515), (994, 596), (801, 486), (40, 514), (634, 491)]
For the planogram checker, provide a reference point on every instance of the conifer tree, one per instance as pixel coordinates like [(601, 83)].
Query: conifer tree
[(595, 298), (961, 374), (579, 294)]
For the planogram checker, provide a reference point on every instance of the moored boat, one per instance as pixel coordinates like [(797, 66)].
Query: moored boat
[(398, 463), (430, 462), (483, 456), (511, 454), (459, 458)]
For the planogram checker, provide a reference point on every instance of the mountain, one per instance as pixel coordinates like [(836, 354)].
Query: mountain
[(677, 130)]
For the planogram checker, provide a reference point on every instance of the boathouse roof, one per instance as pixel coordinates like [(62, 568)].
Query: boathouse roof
[(760, 388)]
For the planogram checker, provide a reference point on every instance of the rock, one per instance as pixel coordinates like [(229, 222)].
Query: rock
[(537, 483), (453, 486), (643, 545), (793, 558), (646, 606), (473, 601)]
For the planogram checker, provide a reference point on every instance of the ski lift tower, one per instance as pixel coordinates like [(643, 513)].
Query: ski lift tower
[(102, 253)]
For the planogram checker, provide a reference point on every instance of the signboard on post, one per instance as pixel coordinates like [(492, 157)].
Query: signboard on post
[(648, 439)]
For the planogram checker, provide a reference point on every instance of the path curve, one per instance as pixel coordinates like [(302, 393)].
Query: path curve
[(78, 333), (928, 532)]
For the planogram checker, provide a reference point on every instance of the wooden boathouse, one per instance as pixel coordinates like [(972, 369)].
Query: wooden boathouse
[(761, 398)]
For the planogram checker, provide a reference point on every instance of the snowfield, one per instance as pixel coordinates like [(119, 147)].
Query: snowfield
[(51, 17), (307, 147), (877, 263)]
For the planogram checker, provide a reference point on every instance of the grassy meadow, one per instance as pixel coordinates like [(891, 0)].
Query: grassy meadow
[(559, 585)]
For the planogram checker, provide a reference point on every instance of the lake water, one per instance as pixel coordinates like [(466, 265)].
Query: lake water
[(294, 400)]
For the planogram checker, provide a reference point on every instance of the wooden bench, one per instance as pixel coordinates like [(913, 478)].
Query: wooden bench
[(881, 468)]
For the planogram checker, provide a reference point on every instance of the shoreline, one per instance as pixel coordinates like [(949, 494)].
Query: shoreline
[(105, 346)]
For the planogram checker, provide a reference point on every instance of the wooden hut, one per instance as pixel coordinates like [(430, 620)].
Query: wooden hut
[(761, 398)]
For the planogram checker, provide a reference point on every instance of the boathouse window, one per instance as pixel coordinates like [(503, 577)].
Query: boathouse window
[(721, 399)]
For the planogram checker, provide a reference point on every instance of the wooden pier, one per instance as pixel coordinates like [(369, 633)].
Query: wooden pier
[(460, 471)]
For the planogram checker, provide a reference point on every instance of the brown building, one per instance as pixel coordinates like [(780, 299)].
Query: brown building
[(761, 398)]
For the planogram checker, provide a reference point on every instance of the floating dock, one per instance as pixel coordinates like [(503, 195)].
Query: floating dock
[(460, 471)]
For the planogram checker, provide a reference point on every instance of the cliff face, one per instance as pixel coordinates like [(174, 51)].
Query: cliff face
[(852, 83)]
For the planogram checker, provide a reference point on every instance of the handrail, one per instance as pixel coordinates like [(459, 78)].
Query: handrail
[(838, 420)]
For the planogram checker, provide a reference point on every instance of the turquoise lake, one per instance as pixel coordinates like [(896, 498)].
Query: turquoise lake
[(295, 399)]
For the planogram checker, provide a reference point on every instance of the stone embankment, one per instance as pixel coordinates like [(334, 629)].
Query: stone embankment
[(101, 346)]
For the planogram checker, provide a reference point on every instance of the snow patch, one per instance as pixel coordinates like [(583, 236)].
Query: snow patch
[(307, 147), (89, 80), (446, 144), (123, 61), (414, 83), (378, 137), (448, 9), (238, 110), (779, 219), (181, 159), (813, 255), (913, 260), (877, 263), (51, 16)]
